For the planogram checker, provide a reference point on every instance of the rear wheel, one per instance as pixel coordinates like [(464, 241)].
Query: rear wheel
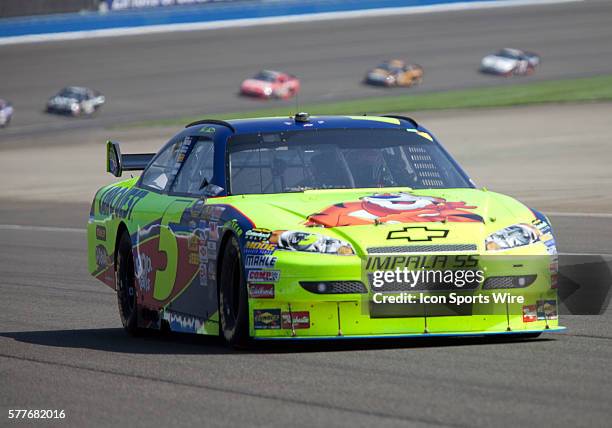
[(233, 301), (126, 286)]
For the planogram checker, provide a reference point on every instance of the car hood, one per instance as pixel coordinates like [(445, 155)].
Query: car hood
[(57, 100), (378, 73), (258, 84), (498, 63), (388, 217)]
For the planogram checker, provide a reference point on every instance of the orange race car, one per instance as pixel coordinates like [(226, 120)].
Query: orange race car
[(395, 73)]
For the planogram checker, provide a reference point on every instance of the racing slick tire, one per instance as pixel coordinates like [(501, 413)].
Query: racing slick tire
[(233, 301), (126, 286)]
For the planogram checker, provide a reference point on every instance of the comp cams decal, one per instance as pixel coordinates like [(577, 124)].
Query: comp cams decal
[(263, 276)]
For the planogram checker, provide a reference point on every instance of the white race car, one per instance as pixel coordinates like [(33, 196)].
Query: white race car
[(507, 62), (75, 101), (6, 113)]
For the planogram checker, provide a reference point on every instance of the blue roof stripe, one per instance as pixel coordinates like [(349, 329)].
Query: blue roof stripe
[(275, 124)]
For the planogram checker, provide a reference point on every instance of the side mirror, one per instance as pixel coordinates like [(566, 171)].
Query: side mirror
[(113, 159)]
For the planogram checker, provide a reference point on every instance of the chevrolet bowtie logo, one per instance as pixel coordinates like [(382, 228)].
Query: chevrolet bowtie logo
[(417, 234)]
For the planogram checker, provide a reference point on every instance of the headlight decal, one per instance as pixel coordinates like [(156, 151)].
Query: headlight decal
[(310, 243), (517, 235)]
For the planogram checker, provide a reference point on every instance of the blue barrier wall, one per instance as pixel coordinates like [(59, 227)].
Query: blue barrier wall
[(142, 4), (215, 11)]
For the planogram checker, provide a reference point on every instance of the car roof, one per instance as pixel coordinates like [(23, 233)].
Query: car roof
[(395, 62), (76, 89), (271, 72), (511, 51), (280, 124), (221, 131)]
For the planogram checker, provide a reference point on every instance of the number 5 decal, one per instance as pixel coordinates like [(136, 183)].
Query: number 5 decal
[(165, 279)]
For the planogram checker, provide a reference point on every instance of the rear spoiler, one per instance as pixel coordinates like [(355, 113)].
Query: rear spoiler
[(116, 163)]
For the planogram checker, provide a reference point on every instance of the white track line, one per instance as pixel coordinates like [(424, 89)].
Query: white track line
[(41, 228), (250, 22), (589, 215), (586, 254)]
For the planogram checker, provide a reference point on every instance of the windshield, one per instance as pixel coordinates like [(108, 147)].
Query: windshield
[(266, 76), (508, 54), (72, 93), (339, 159)]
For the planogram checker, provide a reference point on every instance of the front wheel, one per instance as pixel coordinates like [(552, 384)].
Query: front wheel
[(126, 286), (233, 301)]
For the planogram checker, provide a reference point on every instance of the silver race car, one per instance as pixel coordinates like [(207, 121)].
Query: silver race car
[(508, 62), (6, 113), (75, 101)]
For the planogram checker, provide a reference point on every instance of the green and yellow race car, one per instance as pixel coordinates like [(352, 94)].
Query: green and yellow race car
[(317, 228)]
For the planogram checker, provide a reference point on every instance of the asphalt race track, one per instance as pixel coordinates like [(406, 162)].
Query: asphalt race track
[(61, 345), (169, 75)]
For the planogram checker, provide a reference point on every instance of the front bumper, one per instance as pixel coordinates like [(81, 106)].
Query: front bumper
[(418, 335), (295, 313), (61, 109), (255, 93), (379, 82), (494, 70)]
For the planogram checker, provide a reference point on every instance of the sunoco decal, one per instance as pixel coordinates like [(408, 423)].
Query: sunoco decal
[(547, 310), (267, 319)]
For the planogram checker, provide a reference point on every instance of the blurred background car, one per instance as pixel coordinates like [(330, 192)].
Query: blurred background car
[(395, 72), (507, 62), (75, 101), (270, 84), (6, 113)]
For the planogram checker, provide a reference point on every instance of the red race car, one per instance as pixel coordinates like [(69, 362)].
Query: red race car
[(271, 84)]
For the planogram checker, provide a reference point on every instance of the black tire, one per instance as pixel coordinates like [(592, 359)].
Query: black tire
[(126, 286), (233, 301)]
